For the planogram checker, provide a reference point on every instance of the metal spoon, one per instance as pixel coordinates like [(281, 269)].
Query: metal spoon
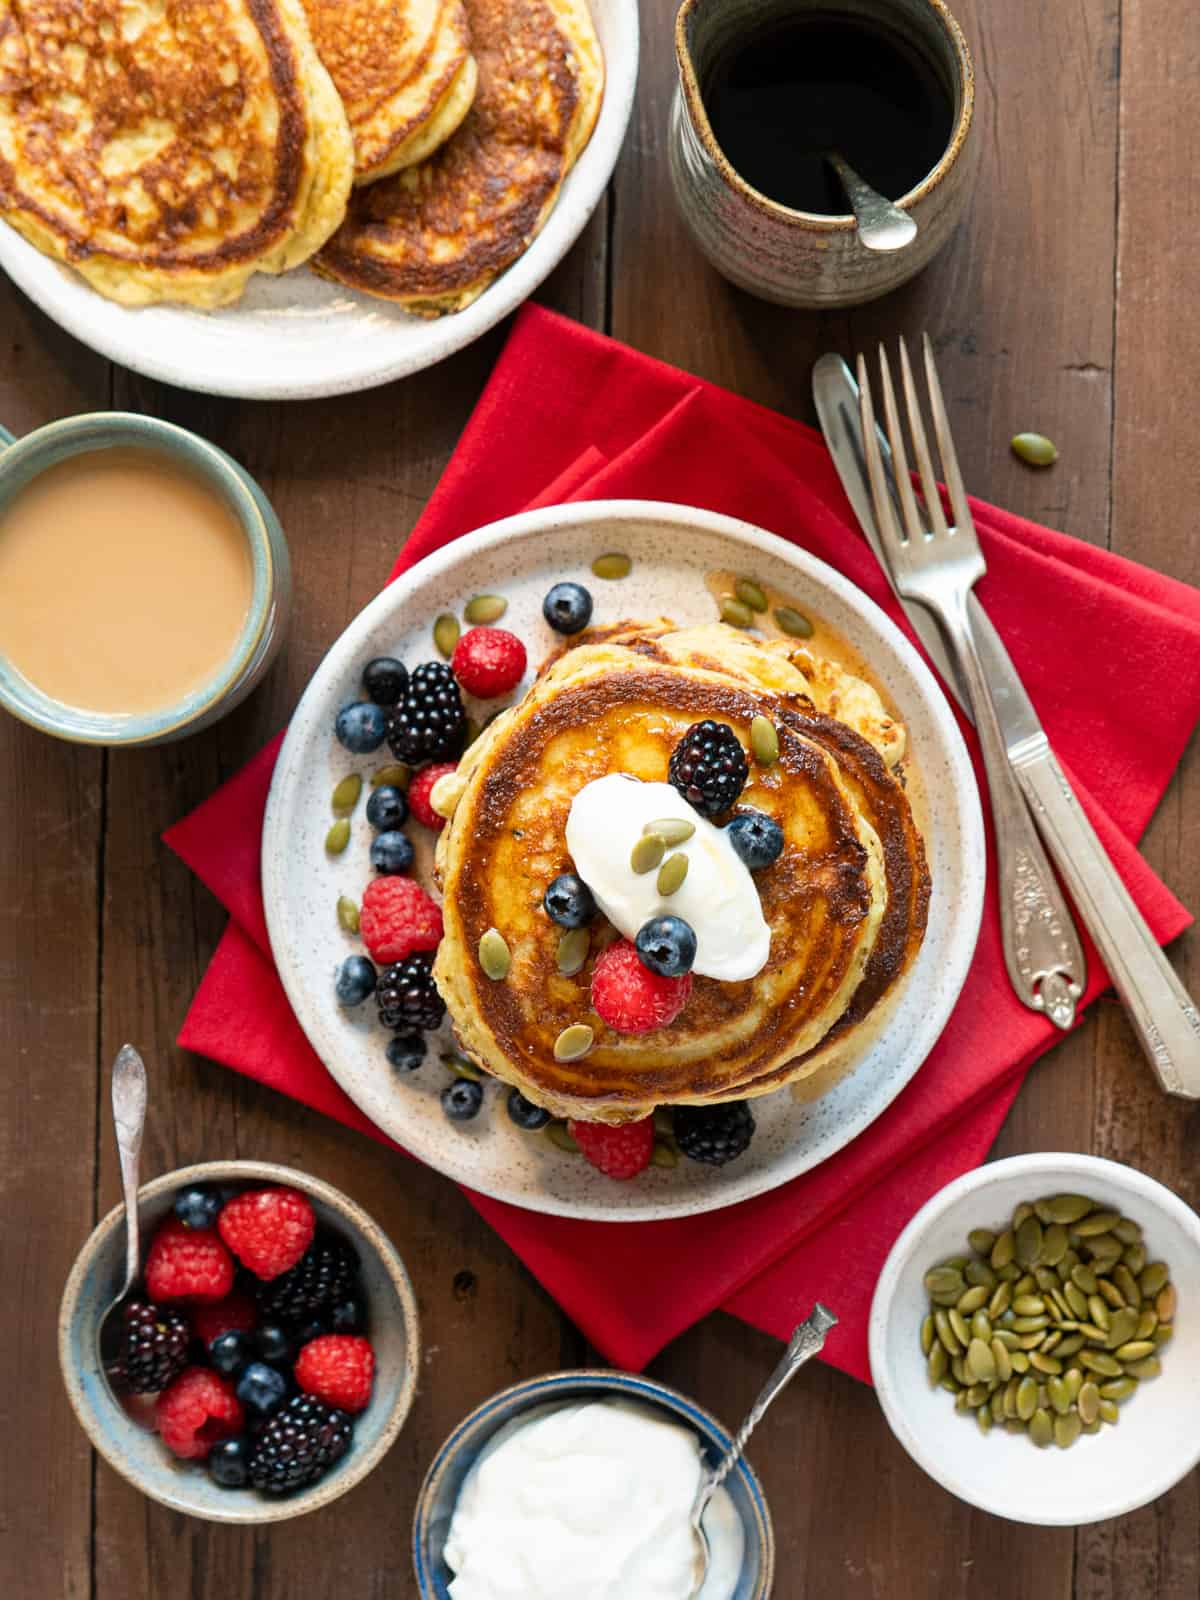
[(881, 225), (806, 1341), (129, 1118)]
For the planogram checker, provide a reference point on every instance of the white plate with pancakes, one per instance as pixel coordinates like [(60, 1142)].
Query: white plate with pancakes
[(675, 553), (298, 335)]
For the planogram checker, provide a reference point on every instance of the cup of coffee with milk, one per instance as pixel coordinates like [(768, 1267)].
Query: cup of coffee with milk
[(144, 580), (821, 150)]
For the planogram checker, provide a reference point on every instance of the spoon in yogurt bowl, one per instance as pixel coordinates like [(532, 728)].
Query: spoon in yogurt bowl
[(129, 1118), (806, 1341)]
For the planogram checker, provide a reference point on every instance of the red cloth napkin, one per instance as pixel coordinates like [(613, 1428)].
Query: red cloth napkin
[(1110, 653)]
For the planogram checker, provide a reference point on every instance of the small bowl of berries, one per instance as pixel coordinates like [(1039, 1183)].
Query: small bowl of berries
[(268, 1352)]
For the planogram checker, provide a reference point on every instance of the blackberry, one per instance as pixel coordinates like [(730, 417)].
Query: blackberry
[(714, 1134), (709, 767), (408, 996), (299, 1443), (429, 724), (154, 1346), (323, 1277)]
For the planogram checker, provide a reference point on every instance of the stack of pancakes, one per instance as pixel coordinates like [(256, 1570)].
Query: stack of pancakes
[(846, 901), (170, 149)]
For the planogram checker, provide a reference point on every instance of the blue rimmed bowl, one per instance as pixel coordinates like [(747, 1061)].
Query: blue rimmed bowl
[(444, 1480), (23, 460), (137, 1453)]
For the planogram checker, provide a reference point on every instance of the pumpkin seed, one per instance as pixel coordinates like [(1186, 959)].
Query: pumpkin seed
[(573, 1042), (946, 1333), (1127, 1230), (1070, 1345), (1135, 1350), (734, 612), (398, 776), (1110, 1411), (1010, 1273), (1066, 1208), (1100, 1361), (1060, 1396), (1089, 1401), (1165, 1303), (1003, 1362), (1150, 1367), (1003, 1251), (750, 594), (764, 741), (1098, 1312), (1162, 1334), (1020, 1361), (938, 1364), (1111, 1294), (462, 1068), (1034, 449), (959, 1370), (664, 1155), (927, 1336), (1031, 1341), (1030, 1324), (1124, 1281), (1076, 1298), (671, 830), (1135, 1259), (346, 793), (1000, 1301), (1084, 1279), (970, 1302), (671, 874), (981, 1363), (981, 1327), (347, 914), (647, 854), (793, 622), (446, 632), (1092, 1333), (572, 951), (959, 1323), (485, 608), (984, 1418), (1067, 1430), (1026, 1398), (1051, 1342), (1073, 1378), (1029, 1305), (1153, 1280), (1007, 1338), (1023, 1211), (976, 1395), (494, 955), (949, 1384), (981, 1241), (1122, 1327), (612, 565), (1054, 1244), (1098, 1222), (962, 1401), (1025, 1284), (1147, 1324), (338, 837), (559, 1135), (1044, 1363), (980, 1274), (1118, 1389), (1041, 1429)]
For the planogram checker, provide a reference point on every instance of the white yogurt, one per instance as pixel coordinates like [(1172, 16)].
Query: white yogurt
[(718, 897), (589, 1500)]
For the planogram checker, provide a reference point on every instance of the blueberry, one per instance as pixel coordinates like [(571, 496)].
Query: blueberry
[(262, 1388), (355, 981), (315, 1328), (230, 1352), (757, 838), (406, 1051), (360, 726), (274, 1343), (385, 680), (569, 901), (667, 945), (197, 1208), (524, 1113), (392, 852), (462, 1099), (568, 608), (229, 1463), (387, 808), (348, 1317)]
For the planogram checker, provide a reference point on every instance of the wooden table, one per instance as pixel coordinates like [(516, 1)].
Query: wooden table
[(1067, 302)]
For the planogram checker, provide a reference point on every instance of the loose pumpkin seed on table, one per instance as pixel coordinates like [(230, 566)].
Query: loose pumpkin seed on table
[(1045, 1327)]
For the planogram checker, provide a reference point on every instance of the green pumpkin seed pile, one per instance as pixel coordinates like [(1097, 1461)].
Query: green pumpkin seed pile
[(1046, 1327)]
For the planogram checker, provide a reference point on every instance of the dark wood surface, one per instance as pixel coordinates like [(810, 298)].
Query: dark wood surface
[(1066, 302)]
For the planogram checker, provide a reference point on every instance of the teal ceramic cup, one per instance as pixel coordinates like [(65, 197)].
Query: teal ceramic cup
[(23, 460)]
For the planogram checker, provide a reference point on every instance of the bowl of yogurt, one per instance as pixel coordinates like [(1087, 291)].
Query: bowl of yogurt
[(580, 1484)]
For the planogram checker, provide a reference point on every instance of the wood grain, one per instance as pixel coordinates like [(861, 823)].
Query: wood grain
[(1054, 307)]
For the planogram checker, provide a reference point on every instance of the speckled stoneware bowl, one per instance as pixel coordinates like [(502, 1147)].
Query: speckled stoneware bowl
[(1155, 1443), (137, 1454), (674, 550), (21, 460), (444, 1480), (802, 258)]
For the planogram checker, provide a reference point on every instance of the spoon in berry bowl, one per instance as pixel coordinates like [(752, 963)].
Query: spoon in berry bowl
[(129, 1118)]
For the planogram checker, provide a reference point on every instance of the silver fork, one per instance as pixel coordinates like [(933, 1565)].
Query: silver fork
[(937, 565)]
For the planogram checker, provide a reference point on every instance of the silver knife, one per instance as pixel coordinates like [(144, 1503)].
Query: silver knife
[(1163, 1014)]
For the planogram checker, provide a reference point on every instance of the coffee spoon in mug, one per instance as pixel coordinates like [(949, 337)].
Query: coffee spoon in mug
[(881, 224)]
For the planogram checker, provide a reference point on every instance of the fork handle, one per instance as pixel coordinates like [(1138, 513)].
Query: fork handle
[(1163, 1014), (1042, 952)]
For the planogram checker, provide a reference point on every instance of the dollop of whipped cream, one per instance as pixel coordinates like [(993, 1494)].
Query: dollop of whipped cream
[(590, 1500), (718, 897)]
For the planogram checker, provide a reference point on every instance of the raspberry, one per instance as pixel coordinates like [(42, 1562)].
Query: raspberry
[(338, 1368), (419, 791), (618, 1152), (268, 1229), (183, 1264), (488, 662), (196, 1412), (631, 998), (397, 917), (237, 1313)]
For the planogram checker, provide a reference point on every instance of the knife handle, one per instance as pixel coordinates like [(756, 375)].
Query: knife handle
[(1163, 1014)]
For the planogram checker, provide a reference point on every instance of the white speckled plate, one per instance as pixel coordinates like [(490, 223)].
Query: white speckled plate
[(297, 337), (673, 549)]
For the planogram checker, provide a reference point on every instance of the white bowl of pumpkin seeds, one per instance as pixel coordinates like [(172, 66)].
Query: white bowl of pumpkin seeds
[(1035, 1339)]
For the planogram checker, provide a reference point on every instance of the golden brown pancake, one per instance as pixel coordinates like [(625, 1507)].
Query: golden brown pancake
[(621, 707), (435, 235), (405, 73), (169, 149)]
